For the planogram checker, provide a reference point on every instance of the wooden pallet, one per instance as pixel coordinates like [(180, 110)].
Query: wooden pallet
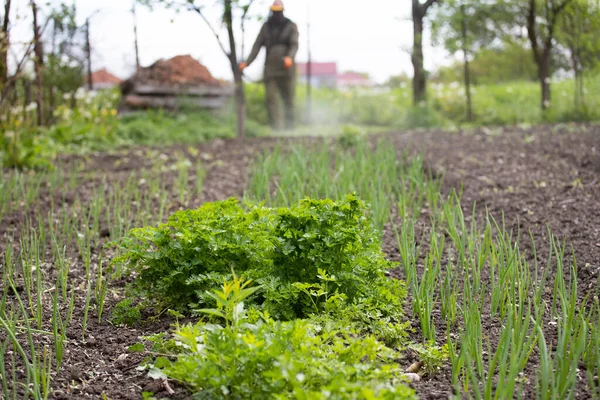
[(143, 96)]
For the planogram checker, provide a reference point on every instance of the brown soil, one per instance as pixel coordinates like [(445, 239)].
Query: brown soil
[(179, 70), (545, 175)]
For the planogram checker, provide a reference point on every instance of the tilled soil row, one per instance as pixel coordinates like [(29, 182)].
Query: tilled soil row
[(532, 177)]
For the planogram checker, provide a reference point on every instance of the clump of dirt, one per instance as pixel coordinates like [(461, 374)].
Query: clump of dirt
[(179, 70)]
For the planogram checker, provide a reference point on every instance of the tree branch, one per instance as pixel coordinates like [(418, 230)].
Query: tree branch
[(210, 26), (532, 31), (558, 9), (19, 67), (552, 21), (425, 6), (243, 24)]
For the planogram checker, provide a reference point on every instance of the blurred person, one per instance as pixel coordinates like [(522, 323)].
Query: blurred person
[(279, 35)]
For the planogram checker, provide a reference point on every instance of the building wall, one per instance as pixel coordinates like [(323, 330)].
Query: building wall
[(329, 82)]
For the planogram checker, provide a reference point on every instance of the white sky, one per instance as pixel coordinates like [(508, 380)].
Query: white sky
[(368, 36)]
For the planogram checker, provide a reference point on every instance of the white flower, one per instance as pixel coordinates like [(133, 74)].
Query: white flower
[(31, 107), (547, 81), (80, 94), (300, 377), (9, 134), (547, 103), (67, 96), (454, 85)]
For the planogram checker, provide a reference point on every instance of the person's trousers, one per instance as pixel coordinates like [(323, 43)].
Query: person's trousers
[(284, 86)]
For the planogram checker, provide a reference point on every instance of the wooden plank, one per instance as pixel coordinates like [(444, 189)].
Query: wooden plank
[(149, 89), (172, 103)]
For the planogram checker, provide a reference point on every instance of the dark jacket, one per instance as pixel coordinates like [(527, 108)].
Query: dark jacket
[(280, 40)]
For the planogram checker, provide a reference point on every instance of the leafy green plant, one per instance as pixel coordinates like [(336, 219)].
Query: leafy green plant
[(230, 301), (126, 313), (268, 359), (350, 136), (22, 149), (285, 250), (432, 356)]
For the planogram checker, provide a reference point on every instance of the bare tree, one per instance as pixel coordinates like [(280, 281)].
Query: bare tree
[(230, 53), (419, 11)]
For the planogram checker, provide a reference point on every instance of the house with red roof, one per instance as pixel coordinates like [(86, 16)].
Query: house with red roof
[(351, 79), (102, 79), (323, 74), (326, 75)]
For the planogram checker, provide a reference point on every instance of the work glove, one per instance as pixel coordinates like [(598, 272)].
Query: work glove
[(287, 62), (243, 66)]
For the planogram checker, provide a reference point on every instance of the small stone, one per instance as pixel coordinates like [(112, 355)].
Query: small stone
[(411, 377), (75, 374)]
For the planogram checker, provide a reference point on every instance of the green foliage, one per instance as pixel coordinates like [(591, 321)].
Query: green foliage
[(433, 357), (493, 66), (287, 251), (22, 149), (398, 81), (350, 136), (63, 75), (457, 25), (422, 117), (230, 301), (126, 312), (90, 124), (301, 359), (159, 127)]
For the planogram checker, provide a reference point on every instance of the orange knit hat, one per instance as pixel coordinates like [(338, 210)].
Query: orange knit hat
[(277, 6)]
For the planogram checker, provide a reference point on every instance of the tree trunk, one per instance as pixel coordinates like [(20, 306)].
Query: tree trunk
[(541, 44), (135, 36), (27, 91), (39, 64), (240, 96), (308, 70), (4, 45), (419, 82), (579, 84), (466, 62), (582, 87), (88, 52), (544, 74)]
